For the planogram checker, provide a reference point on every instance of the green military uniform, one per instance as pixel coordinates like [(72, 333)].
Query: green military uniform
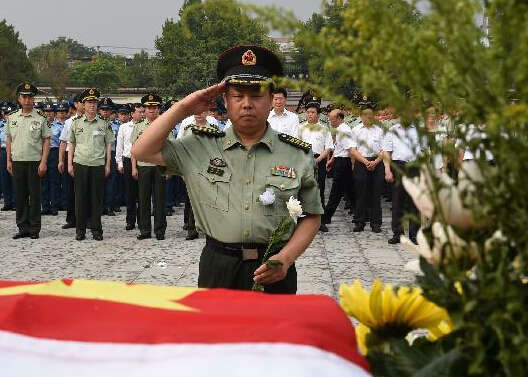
[(224, 181), (150, 183), (90, 138), (27, 134)]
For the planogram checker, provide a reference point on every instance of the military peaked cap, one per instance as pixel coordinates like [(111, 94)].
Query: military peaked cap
[(27, 88), (89, 94)]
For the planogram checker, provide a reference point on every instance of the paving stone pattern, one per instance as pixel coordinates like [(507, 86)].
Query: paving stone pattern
[(336, 257)]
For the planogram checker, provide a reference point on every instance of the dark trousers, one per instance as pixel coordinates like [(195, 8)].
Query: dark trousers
[(111, 196), (321, 178), (69, 188), (8, 187), (218, 270), (89, 188), (170, 189), (151, 184), (131, 192), (51, 184), (342, 182), (401, 201), (27, 186), (188, 214), (368, 188)]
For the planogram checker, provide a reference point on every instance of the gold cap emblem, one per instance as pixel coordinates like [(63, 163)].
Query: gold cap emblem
[(27, 86), (91, 92), (105, 101), (151, 97), (314, 98), (249, 58)]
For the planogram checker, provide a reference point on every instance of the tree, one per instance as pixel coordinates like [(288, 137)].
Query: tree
[(15, 66), (103, 72), (51, 66), (189, 48), (76, 51), (140, 71)]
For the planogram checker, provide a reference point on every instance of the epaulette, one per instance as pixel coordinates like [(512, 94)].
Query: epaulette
[(207, 131), (12, 112), (41, 114), (298, 143), (76, 117)]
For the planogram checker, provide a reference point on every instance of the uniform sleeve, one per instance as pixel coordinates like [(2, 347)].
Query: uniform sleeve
[(8, 128), (109, 134), (71, 137), (387, 143), (347, 138), (329, 142), (119, 147), (134, 135), (309, 192), (45, 129), (177, 154), (65, 132)]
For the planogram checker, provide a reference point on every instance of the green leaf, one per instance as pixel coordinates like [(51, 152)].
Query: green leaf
[(274, 263)]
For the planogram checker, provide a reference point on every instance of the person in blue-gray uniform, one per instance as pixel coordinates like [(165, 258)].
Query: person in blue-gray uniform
[(8, 190)]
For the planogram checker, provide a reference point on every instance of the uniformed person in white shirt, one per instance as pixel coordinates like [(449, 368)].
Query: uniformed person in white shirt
[(124, 165), (318, 135), (342, 166), (401, 147), (368, 169), (64, 149), (280, 119)]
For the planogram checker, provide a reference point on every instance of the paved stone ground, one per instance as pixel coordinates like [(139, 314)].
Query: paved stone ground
[(333, 258)]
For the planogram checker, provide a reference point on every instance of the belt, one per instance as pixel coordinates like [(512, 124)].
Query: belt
[(244, 251)]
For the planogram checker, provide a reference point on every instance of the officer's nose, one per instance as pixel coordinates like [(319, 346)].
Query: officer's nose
[(247, 103)]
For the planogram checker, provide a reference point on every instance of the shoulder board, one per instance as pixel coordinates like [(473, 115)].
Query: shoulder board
[(207, 131), (298, 143), (41, 114), (76, 117), (12, 112)]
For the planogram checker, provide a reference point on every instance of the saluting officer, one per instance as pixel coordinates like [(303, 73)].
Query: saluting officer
[(88, 164), (226, 172), (28, 141), (151, 183)]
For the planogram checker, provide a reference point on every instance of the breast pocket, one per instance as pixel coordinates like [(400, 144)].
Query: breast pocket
[(214, 190), (35, 132), (283, 188)]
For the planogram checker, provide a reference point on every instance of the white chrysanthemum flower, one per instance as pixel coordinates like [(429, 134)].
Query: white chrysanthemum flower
[(267, 197), (294, 208)]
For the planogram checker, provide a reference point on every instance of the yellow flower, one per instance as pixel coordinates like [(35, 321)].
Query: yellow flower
[(361, 337), (389, 313)]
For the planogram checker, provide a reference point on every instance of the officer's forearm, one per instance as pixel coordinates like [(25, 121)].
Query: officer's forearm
[(8, 149), (153, 138), (62, 149), (325, 154), (70, 155), (387, 160), (302, 237), (108, 154)]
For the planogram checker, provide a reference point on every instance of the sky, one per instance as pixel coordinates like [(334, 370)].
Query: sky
[(109, 22)]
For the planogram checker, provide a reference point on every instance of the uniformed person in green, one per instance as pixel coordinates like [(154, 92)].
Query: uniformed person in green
[(151, 183), (27, 148), (89, 164), (226, 172)]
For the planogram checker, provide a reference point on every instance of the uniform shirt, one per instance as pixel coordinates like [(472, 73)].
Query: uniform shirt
[(136, 133), (3, 135), (343, 140), (115, 129), (317, 135), (402, 142), (27, 133), (287, 122), (474, 133), (123, 143), (368, 140), (226, 205), (56, 130), (65, 134), (90, 139)]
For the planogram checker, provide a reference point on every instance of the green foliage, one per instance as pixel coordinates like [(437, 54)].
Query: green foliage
[(51, 66), (189, 47), (140, 71), (76, 51), (14, 63), (412, 60), (103, 72)]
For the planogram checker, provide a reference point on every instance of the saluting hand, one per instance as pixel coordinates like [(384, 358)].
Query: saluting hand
[(202, 100)]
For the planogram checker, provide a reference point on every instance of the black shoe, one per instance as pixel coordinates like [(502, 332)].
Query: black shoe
[(54, 213), (160, 237), (7, 208), (144, 236), (80, 237), (376, 229), (191, 235), (394, 240), (323, 228), (130, 227), (110, 213), (20, 235), (97, 236), (185, 227), (68, 226), (34, 236), (105, 212), (358, 228), (45, 212), (117, 209)]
